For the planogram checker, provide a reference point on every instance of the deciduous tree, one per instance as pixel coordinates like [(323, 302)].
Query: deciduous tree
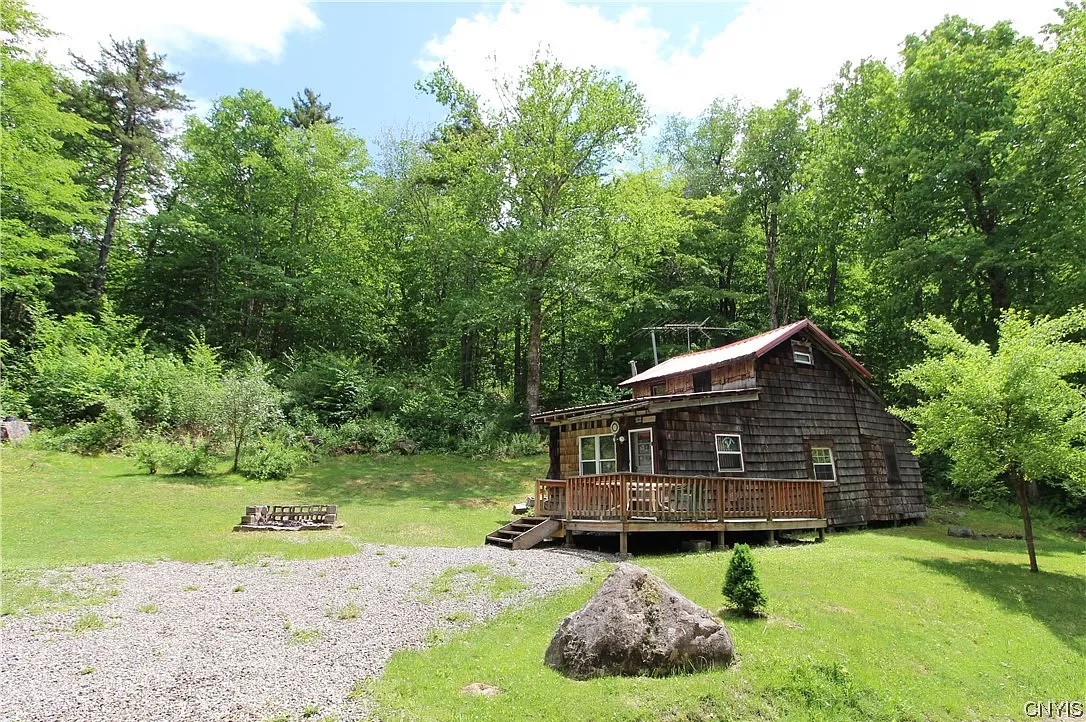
[(1014, 415)]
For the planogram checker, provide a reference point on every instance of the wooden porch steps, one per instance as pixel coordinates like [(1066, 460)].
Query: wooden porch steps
[(524, 533)]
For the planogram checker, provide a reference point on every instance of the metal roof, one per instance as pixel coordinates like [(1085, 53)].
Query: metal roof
[(645, 403), (755, 346)]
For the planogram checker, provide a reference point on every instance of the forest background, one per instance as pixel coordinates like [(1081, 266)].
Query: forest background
[(261, 281)]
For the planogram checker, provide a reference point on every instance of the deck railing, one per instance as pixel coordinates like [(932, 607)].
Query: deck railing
[(650, 497)]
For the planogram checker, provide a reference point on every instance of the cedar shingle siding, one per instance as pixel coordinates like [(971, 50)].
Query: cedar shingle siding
[(799, 406)]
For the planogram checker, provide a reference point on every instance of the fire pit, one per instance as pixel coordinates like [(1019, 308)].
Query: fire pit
[(297, 517)]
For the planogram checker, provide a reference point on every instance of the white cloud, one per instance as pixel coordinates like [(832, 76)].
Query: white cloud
[(243, 30), (771, 46)]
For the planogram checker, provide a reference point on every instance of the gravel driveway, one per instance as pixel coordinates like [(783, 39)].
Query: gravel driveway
[(252, 642)]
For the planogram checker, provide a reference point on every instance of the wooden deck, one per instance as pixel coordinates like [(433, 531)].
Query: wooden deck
[(624, 502)]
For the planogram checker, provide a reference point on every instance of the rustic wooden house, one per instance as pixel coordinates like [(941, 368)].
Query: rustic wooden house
[(775, 432)]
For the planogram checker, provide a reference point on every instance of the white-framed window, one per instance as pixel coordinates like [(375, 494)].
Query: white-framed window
[(598, 454), (801, 354), (822, 463), (729, 452)]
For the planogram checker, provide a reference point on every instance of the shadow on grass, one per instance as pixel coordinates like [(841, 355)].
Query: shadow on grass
[(1047, 543), (1052, 598), (428, 479)]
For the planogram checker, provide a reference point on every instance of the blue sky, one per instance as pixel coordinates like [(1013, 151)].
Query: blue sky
[(365, 57)]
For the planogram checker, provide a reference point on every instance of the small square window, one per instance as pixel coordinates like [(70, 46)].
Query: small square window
[(801, 354), (729, 452), (659, 389), (822, 462)]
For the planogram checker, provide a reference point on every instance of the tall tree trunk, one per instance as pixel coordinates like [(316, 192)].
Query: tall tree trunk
[(104, 246), (518, 362), (1022, 492), (237, 454), (998, 293), (562, 347), (468, 343), (771, 239), (535, 338)]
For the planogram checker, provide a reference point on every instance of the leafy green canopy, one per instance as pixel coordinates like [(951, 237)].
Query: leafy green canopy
[(1015, 414), (1011, 411), (42, 200)]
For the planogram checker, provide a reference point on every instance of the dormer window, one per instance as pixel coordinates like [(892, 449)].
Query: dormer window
[(801, 353)]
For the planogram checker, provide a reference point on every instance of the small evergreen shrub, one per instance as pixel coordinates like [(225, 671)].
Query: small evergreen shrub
[(741, 585)]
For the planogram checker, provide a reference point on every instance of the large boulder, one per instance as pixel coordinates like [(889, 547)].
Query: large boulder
[(637, 625)]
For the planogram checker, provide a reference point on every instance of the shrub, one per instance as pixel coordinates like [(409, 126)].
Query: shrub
[(114, 427), (741, 585), (191, 457), (151, 453), (336, 387), (272, 458), (379, 433), (247, 403)]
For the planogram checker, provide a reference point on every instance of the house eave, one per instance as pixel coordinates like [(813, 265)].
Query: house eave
[(645, 405)]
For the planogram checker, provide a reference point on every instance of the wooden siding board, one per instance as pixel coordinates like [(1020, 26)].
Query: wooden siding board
[(797, 402)]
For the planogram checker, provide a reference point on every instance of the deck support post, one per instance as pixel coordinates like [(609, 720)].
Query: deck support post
[(772, 537), (567, 540), (623, 545), (822, 534), (720, 543)]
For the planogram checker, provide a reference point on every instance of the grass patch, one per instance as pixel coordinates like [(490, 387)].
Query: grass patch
[(304, 637), (898, 624), (360, 690), (40, 592), (88, 623), (102, 509), (350, 610), (149, 608), (472, 580)]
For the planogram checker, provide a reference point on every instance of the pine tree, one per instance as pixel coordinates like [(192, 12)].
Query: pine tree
[(128, 93), (308, 110), (741, 585)]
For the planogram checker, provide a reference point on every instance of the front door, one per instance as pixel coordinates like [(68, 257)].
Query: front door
[(641, 451)]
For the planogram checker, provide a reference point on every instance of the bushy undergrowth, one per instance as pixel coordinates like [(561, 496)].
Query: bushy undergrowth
[(188, 456), (350, 405), (101, 388), (272, 458)]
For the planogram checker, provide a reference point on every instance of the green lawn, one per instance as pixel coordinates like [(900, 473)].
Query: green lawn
[(902, 624), (897, 624), (62, 509)]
